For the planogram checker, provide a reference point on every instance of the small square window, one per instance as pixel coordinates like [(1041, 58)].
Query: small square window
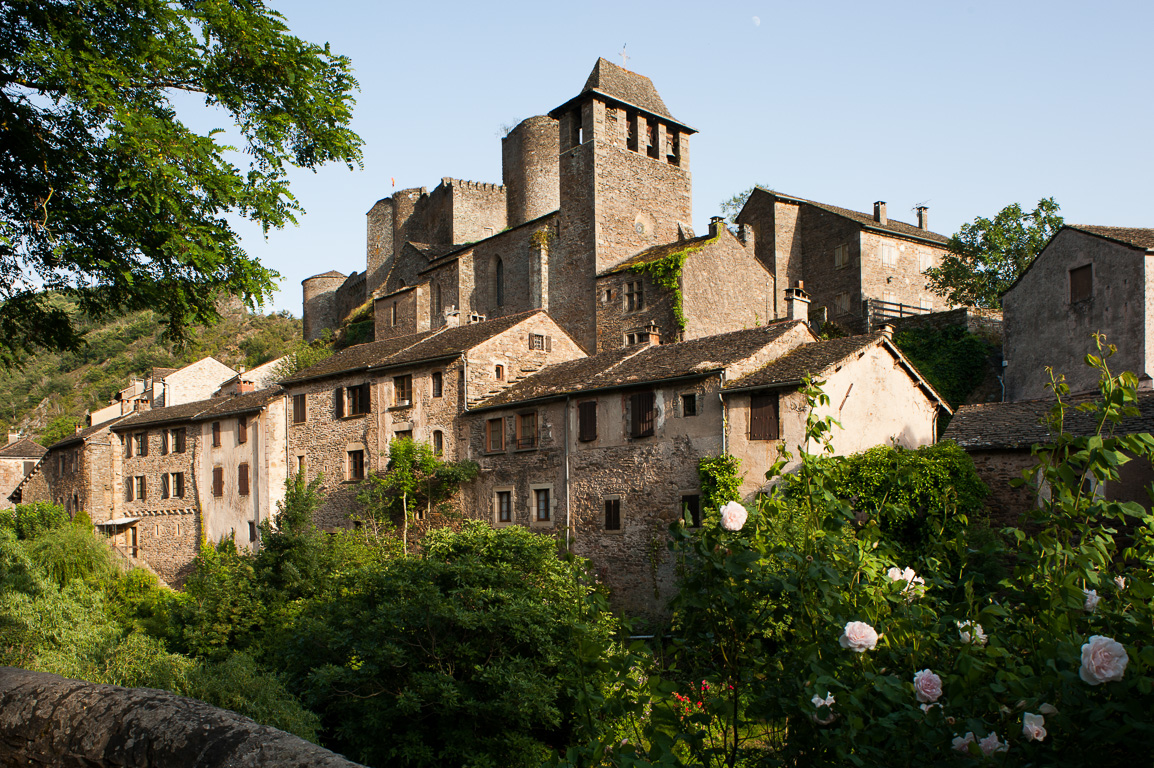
[(613, 514), (689, 404)]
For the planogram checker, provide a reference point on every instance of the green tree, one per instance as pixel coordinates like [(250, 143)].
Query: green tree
[(987, 256), (415, 475), (108, 197), (732, 206)]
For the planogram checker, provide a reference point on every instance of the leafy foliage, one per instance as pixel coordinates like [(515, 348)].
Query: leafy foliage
[(731, 207), (107, 197), (987, 256), (666, 273), (720, 479), (952, 359), (28, 521)]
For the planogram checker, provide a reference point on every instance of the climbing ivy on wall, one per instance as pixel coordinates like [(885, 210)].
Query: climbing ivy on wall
[(666, 273), (720, 480), (952, 359)]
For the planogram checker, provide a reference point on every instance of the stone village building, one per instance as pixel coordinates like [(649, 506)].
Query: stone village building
[(1086, 279), (604, 450), (17, 460), (592, 224)]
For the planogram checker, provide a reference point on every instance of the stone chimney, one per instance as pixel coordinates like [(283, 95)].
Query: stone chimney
[(880, 213), (13, 437), (797, 302), (452, 318), (714, 223), (923, 217), (78, 430), (654, 335), (887, 330)]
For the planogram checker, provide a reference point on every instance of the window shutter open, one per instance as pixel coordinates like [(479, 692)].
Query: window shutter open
[(164, 442), (366, 404), (164, 486), (339, 402), (144, 444), (218, 481)]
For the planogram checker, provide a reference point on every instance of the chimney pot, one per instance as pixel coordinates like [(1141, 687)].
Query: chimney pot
[(923, 217), (880, 212), (797, 303)]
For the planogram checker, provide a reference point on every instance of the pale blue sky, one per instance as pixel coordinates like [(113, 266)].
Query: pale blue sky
[(963, 106)]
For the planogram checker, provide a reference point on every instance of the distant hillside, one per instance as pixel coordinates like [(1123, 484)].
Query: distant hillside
[(50, 392)]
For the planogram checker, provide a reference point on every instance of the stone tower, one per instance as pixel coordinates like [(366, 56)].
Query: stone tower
[(624, 186), (529, 170)]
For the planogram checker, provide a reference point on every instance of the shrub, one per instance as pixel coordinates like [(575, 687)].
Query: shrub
[(71, 552), (28, 521)]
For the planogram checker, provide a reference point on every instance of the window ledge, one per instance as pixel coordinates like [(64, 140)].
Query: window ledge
[(617, 532), (541, 524), (350, 416)]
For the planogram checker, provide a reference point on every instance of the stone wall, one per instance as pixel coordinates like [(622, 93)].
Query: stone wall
[(615, 322), (46, 720), (1043, 327), (11, 473), (320, 311), (725, 287), (195, 382), (529, 169), (396, 314), (997, 468), (902, 282)]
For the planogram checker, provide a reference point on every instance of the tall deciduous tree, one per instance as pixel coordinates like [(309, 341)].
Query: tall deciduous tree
[(986, 257), (107, 196)]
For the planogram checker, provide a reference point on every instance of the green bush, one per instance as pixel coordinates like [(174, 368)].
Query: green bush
[(71, 552), (28, 521)]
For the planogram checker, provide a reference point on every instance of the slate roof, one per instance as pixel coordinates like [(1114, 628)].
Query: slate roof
[(433, 251), (86, 433), (1018, 426), (633, 365), (621, 85), (454, 341), (237, 404), (808, 360), (656, 253), (182, 412), (24, 448), (867, 219), (1135, 236), (160, 373), (357, 358)]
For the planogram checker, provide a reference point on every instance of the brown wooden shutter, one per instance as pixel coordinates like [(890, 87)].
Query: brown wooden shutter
[(298, 409), (180, 440), (1081, 283), (613, 514), (763, 417), (143, 488), (164, 442), (242, 429), (641, 411), (339, 402), (218, 481), (127, 451), (242, 479), (366, 404), (587, 421), (143, 443)]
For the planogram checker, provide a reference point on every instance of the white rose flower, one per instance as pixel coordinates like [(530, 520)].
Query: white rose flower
[(969, 631), (858, 637), (1033, 727), (927, 686), (990, 744), (1092, 599), (733, 516), (962, 743), (1104, 660), (914, 583), (818, 703)]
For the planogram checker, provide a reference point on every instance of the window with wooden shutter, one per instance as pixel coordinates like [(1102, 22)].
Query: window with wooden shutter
[(613, 514), (178, 436), (242, 479), (299, 412), (495, 435), (587, 421), (242, 430), (218, 481), (165, 488), (1081, 283), (763, 417), (641, 414), (216, 434), (164, 449), (339, 402)]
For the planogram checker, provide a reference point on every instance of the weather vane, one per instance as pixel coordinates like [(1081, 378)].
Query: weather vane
[(624, 57)]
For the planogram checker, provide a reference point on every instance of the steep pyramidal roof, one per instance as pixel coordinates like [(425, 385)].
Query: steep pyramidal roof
[(620, 85)]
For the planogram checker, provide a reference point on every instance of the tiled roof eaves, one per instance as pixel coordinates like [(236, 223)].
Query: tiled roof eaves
[(169, 415), (87, 432), (865, 220), (583, 391), (385, 366), (1106, 234), (24, 448), (658, 252), (249, 402)]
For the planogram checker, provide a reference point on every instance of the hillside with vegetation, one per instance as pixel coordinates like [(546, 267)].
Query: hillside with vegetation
[(47, 394)]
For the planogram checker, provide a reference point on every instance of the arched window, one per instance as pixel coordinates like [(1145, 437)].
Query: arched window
[(499, 282)]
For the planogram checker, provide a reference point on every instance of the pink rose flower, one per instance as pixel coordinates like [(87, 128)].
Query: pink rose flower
[(927, 686), (1092, 599), (1033, 727), (962, 743), (1104, 660), (733, 516), (990, 744), (913, 582), (858, 637)]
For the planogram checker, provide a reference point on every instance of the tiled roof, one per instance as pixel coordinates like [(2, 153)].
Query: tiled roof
[(866, 219), (243, 403), (633, 365), (358, 357), (657, 253), (433, 251), (808, 360), (330, 273), (86, 433), (1140, 238), (990, 426), (453, 341), (172, 413), (23, 448), (624, 86), (160, 373)]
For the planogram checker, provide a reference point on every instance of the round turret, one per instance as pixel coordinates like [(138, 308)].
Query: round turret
[(319, 306), (529, 169)]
